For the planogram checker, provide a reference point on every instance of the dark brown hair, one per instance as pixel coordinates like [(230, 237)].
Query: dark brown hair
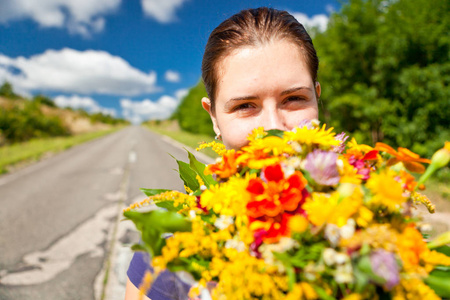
[(253, 27)]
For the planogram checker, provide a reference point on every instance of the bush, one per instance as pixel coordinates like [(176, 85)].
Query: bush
[(21, 124)]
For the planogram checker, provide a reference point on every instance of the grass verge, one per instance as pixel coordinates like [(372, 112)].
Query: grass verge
[(12, 155), (170, 129)]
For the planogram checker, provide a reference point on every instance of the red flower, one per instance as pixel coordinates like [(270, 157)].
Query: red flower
[(274, 201)]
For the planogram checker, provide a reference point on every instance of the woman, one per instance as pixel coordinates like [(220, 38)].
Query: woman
[(259, 69)]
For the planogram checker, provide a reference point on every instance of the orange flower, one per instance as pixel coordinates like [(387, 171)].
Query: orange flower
[(408, 181), (411, 246), (410, 160), (226, 167)]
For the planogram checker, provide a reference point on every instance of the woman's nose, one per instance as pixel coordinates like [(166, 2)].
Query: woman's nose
[(273, 119)]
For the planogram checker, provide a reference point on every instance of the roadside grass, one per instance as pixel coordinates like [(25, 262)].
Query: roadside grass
[(32, 150), (171, 129)]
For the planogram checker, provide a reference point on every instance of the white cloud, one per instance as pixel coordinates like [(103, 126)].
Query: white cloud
[(180, 94), (330, 8), (80, 72), (139, 111), (86, 103), (78, 16), (172, 76), (319, 21), (161, 10)]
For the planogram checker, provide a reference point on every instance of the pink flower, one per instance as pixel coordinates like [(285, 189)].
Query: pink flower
[(322, 167)]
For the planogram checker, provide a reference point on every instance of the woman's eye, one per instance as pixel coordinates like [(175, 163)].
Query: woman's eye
[(243, 106), (295, 98)]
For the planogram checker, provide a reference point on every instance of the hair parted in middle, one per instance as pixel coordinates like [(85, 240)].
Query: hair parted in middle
[(253, 27)]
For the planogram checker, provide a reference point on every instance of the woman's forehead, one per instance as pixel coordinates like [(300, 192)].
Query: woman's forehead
[(279, 65)]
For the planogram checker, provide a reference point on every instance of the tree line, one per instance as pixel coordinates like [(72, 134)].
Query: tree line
[(384, 72), (23, 119)]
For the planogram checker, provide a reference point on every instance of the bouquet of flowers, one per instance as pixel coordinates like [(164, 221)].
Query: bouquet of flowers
[(301, 214)]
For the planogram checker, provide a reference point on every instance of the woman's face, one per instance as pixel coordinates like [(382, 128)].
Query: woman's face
[(267, 85)]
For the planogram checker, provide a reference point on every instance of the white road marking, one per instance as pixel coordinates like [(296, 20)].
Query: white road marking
[(86, 238), (116, 171), (132, 157)]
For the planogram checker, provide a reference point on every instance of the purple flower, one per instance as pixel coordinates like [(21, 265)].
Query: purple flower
[(322, 167), (308, 123), (385, 266), (341, 137)]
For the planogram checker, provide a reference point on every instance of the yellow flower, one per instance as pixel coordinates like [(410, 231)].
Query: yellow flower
[(302, 290), (349, 174), (257, 133), (228, 198), (180, 200), (357, 150), (412, 289), (243, 276), (219, 148), (386, 190), (297, 223), (261, 153), (324, 138), (146, 283), (324, 208), (353, 297), (376, 236)]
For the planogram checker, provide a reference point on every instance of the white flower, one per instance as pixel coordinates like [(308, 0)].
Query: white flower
[(341, 258), (294, 162), (222, 222), (329, 255), (283, 245), (332, 234), (425, 228), (344, 274), (235, 244), (340, 164), (348, 229), (297, 147)]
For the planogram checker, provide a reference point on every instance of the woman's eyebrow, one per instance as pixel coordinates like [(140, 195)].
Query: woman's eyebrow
[(244, 98), (295, 89)]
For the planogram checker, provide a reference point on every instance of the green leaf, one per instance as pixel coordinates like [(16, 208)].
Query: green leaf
[(188, 175), (365, 266), (438, 281), (441, 240), (291, 277), (443, 249), (139, 247), (199, 168), (321, 293), (154, 223), (275, 132), (153, 192), (167, 205)]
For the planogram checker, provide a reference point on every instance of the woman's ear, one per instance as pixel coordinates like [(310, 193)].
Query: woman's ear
[(206, 103), (318, 90)]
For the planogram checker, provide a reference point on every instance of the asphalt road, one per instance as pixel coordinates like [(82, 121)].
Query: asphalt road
[(59, 229)]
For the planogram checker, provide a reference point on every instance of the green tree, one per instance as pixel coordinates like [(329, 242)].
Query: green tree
[(41, 99), (385, 72), (6, 90), (190, 114)]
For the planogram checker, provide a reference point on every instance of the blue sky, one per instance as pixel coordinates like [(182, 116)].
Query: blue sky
[(132, 58)]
